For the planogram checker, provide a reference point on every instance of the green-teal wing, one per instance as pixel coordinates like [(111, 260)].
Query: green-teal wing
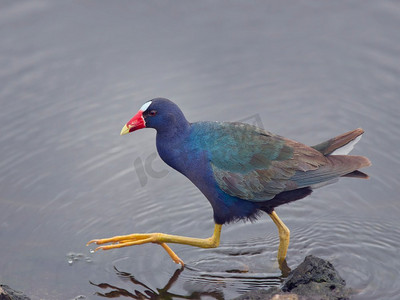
[(253, 164)]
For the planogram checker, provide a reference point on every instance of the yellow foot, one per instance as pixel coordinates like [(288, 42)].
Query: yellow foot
[(159, 238), (135, 239), (125, 240)]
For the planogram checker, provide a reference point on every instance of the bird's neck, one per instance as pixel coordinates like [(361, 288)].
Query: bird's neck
[(170, 142), (173, 133)]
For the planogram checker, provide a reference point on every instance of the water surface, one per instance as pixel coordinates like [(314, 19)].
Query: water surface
[(72, 73)]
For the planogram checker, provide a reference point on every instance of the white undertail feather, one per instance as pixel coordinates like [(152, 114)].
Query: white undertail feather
[(346, 148)]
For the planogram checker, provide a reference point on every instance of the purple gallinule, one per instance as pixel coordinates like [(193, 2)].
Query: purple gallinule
[(241, 169)]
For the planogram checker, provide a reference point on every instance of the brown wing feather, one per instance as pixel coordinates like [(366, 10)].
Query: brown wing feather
[(264, 184)]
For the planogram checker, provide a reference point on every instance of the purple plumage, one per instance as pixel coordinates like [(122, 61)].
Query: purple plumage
[(242, 169)]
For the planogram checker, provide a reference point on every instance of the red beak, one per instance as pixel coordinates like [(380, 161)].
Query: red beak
[(137, 122)]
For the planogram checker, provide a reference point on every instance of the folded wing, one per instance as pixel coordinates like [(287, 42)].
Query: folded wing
[(261, 165)]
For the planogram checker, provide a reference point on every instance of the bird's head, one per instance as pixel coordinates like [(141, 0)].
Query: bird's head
[(159, 113)]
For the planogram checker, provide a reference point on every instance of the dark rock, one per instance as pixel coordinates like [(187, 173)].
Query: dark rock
[(3, 295), (312, 269), (317, 277), (7, 293), (313, 279)]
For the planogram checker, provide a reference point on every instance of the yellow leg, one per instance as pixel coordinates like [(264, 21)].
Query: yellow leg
[(161, 239), (284, 237)]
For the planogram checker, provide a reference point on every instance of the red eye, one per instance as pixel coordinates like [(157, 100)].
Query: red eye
[(152, 113)]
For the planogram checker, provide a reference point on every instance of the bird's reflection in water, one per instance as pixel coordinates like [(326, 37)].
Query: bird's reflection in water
[(149, 293), (202, 284)]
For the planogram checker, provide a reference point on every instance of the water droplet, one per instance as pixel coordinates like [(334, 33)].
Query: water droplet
[(91, 251), (70, 261)]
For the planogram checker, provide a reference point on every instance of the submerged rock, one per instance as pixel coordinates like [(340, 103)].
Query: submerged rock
[(313, 279), (316, 276), (7, 293)]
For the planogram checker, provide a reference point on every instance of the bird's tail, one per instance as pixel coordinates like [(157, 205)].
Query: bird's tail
[(348, 165), (340, 145)]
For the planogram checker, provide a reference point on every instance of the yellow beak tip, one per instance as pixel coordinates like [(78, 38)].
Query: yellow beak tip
[(124, 130)]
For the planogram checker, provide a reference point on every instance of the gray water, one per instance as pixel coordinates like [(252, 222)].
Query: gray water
[(72, 73)]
